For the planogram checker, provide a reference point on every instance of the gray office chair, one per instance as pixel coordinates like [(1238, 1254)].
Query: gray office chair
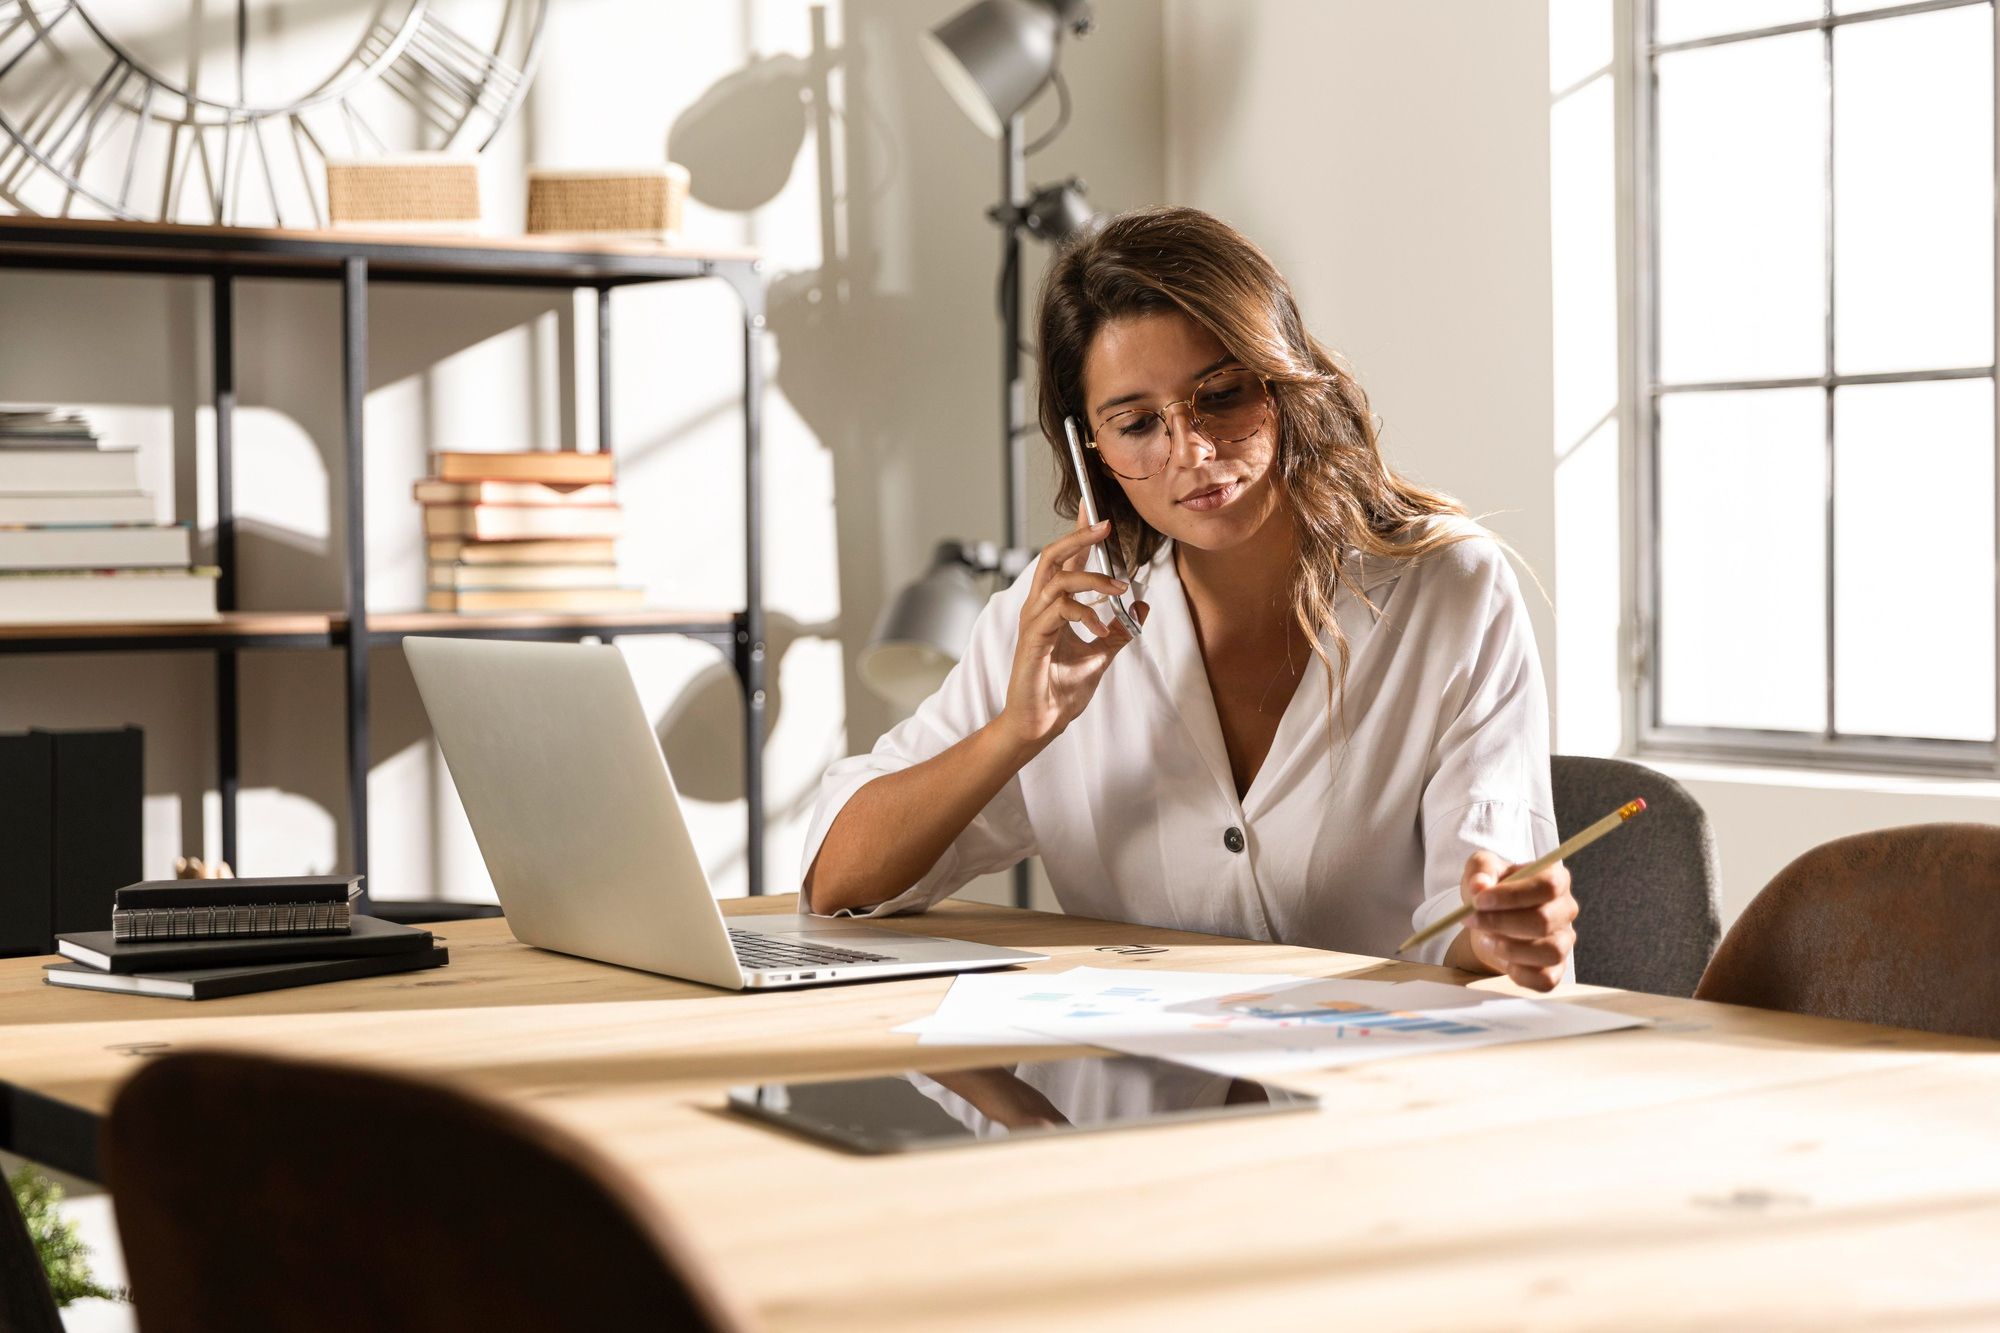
[(1647, 897)]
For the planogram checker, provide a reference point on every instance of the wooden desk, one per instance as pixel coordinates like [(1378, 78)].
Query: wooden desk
[(1727, 1168)]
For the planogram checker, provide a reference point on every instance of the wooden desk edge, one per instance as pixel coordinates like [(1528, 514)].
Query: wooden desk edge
[(64, 1135)]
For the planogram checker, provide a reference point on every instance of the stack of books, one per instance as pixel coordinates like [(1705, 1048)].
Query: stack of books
[(530, 531), (78, 540), (204, 939)]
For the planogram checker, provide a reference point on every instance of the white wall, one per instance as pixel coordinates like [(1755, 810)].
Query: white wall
[(879, 436), (1589, 453), (1393, 161)]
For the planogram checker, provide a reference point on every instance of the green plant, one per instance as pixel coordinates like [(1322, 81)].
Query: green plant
[(65, 1258)]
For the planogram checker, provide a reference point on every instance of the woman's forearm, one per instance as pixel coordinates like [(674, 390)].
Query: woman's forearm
[(894, 829)]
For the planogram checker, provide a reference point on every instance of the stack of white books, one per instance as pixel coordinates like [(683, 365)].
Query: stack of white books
[(79, 539)]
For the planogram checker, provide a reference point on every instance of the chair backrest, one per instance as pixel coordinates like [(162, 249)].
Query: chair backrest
[(276, 1195), (26, 1303), (1900, 926), (1647, 899)]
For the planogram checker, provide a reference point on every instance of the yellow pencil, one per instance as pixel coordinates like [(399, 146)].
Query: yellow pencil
[(1616, 819)]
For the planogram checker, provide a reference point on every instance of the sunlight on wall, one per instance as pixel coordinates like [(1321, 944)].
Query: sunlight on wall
[(1583, 234), (286, 489)]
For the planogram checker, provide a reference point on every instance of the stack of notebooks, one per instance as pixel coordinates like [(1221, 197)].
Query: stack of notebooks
[(78, 541), (527, 531), (204, 939)]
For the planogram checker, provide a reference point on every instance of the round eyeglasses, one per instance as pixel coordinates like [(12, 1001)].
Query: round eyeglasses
[(1225, 407)]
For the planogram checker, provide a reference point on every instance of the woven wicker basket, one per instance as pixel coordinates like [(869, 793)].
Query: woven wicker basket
[(640, 201), (428, 190)]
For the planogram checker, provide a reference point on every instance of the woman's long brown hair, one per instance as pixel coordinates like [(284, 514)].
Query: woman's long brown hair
[(1329, 466)]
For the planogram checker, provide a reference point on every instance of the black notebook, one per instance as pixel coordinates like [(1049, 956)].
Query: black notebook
[(212, 983), (158, 893), (179, 909), (368, 937)]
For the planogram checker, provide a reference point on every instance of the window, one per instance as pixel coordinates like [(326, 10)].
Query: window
[(1815, 351)]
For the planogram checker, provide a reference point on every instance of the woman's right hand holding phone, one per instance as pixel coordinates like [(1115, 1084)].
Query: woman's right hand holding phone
[(895, 827), (1055, 672)]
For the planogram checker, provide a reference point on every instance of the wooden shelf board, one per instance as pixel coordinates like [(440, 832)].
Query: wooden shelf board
[(449, 622), (322, 629), (390, 253), (231, 624)]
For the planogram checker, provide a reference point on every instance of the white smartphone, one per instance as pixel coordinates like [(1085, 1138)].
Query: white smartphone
[(1099, 559)]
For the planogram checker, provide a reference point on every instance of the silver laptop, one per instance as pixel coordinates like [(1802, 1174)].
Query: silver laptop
[(577, 817)]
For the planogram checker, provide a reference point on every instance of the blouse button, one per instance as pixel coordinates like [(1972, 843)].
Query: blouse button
[(1232, 838)]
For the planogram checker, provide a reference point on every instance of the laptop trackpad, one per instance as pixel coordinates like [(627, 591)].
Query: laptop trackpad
[(851, 936), (818, 929)]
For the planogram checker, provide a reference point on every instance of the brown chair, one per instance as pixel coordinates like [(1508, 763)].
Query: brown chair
[(255, 1193), (1900, 926)]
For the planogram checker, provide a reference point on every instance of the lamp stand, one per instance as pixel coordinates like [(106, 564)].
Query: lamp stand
[(1013, 391)]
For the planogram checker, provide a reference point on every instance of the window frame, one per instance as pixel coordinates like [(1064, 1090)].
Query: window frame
[(1830, 749)]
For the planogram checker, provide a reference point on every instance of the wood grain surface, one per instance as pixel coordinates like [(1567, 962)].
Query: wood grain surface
[(1721, 1168)]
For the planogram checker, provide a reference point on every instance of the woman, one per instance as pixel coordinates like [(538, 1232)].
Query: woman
[(1204, 776)]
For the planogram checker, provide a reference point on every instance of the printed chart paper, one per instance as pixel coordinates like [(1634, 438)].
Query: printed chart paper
[(1248, 1025), (1005, 1008)]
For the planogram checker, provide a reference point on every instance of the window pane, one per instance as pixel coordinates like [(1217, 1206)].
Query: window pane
[(1682, 20), (1742, 206), (1913, 559), (1913, 192), (1742, 545)]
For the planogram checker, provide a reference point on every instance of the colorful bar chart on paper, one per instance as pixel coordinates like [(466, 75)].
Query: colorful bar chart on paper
[(1321, 1024)]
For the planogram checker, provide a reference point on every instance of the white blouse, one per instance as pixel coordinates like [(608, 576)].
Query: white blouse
[(1347, 845)]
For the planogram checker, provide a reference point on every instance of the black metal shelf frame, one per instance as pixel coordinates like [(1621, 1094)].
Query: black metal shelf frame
[(60, 246)]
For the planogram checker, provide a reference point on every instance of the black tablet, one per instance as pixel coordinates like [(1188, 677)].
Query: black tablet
[(910, 1111)]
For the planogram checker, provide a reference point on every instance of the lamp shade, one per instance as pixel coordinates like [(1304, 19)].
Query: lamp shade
[(1058, 212), (923, 632), (993, 57)]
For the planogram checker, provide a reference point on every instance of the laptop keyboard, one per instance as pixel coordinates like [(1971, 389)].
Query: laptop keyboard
[(754, 951)]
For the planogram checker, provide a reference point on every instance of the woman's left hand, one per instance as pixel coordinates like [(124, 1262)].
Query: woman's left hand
[(1522, 931)]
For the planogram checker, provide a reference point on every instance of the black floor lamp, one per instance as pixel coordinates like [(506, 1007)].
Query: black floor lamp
[(994, 57)]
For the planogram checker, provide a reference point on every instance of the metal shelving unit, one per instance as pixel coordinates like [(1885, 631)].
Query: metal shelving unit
[(356, 261)]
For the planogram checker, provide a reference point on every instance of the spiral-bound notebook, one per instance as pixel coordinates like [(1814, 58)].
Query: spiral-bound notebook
[(221, 909)]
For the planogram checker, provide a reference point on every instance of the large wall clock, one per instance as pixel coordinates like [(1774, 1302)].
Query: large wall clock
[(227, 110)]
